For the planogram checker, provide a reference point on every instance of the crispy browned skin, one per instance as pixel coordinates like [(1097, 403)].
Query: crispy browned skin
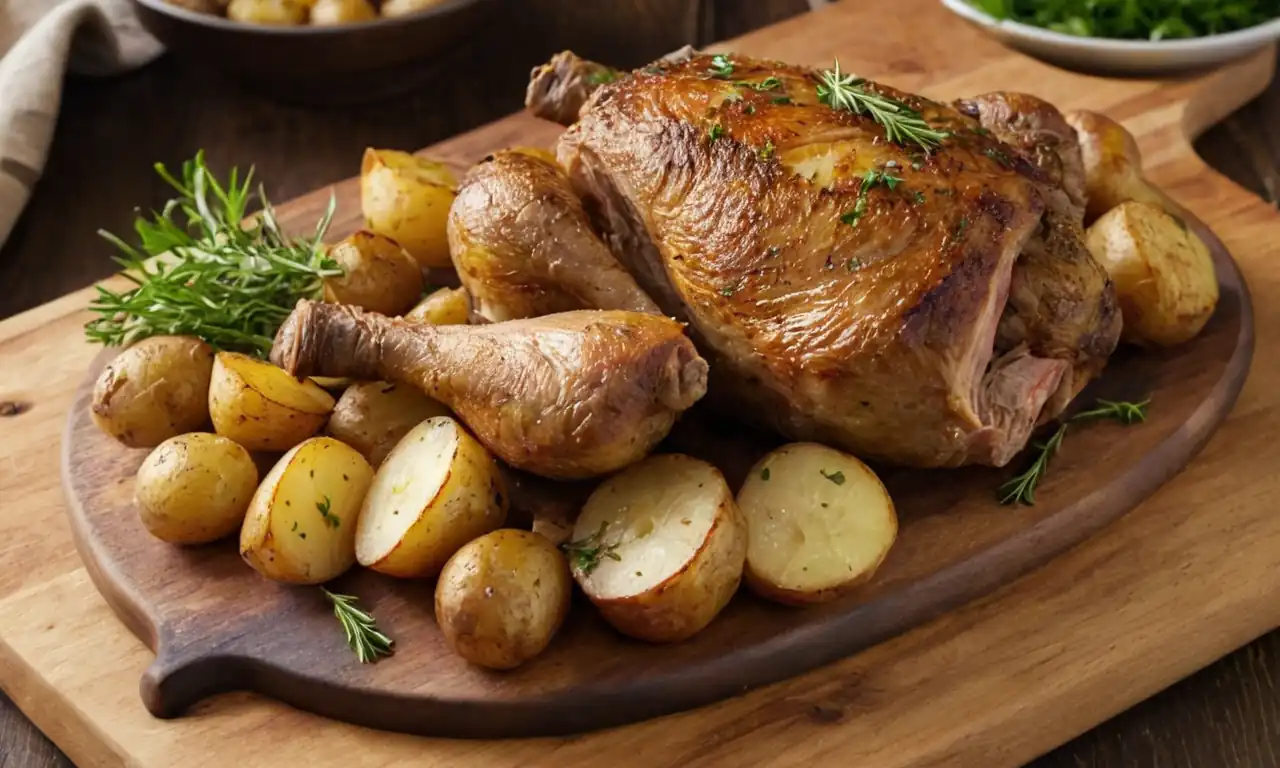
[(571, 395), (523, 245), (726, 203)]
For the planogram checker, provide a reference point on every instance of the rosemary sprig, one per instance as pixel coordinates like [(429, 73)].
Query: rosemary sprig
[(585, 553), (217, 278), (603, 76), (902, 124), (361, 629), (1022, 488)]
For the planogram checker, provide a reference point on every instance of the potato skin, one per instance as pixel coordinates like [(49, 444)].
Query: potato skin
[(1164, 276), (380, 276), (407, 198), (447, 306), (154, 390), (333, 12), (270, 420), (288, 13), (372, 416), (1112, 166), (195, 488), (286, 536), (502, 597)]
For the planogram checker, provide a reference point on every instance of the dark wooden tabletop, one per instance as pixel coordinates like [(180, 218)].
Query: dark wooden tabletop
[(110, 132)]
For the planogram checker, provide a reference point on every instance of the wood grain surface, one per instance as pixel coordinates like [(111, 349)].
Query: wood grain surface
[(1217, 718)]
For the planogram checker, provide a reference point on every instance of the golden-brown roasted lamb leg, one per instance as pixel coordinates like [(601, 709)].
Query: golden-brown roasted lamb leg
[(523, 246), (571, 395), (922, 302)]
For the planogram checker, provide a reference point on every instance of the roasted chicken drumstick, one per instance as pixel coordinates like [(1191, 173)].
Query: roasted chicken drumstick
[(571, 395)]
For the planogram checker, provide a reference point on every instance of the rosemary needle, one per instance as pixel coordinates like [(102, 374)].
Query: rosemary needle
[(362, 631), (902, 124), (1022, 488)]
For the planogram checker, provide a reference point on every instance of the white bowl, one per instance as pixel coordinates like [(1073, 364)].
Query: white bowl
[(1132, 57)]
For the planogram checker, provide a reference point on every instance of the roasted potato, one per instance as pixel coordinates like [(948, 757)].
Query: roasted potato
[(819, 522), (402, 7), (1164, 276), (195, 488), (379, 275), (302, 521), (659, 548), (407, 198), (446, 306), (1112, 166), (372, 416), (333, 12), (538, 152), (154, 390), (287, 13), (502, 597), (261, 407), (437, 490)]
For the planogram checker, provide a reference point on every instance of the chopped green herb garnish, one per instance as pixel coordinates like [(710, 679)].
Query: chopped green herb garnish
[(999, 156), (766, 151), (836, 477), (782, 100), (326, 513), (585, 553), (853, 265), (764, 474), (603, 76), (716, 131), (1135, 19), (721, 66)]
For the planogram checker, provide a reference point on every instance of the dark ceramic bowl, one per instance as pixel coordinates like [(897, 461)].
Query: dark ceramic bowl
[(320, 65)]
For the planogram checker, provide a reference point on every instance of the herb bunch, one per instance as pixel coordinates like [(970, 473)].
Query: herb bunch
[(902, 124), (216, 277), (1135, 19), (1022, 489)]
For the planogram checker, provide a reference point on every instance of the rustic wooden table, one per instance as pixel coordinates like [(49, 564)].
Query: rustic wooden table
[(111, 132)]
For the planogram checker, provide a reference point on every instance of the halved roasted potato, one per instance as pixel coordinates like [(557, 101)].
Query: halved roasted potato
[(659, 548), (407, 198), (378, 275), (819, 522), (437, 490), (373, 416), (446, 306), (261, 407), (154, 390), (502, 597), (195, 488), (302, 522), (1164, 275)]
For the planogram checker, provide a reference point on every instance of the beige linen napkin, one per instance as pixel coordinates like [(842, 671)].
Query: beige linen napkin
[(40, 40)]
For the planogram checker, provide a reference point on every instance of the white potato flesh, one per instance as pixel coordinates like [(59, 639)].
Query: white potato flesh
[(437, 490), (819, 522), (302, 522), (669, 545)]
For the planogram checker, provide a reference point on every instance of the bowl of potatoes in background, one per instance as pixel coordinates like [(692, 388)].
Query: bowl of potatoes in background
[(317, 51)]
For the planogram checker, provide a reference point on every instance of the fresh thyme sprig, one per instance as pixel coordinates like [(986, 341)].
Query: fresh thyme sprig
[(362, 631), (1022, 488), (585, 553), (902, 124), (216, 277)]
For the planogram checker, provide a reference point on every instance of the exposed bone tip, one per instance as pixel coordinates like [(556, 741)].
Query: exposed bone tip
[(686, 379)]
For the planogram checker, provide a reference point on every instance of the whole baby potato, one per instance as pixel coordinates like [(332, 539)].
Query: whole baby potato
[(195, 488), (446, 306), (287, 13), (501, 598), (407, 198), (154, 390), (372, 416), (378, 275), (333, 12), (402, 7)]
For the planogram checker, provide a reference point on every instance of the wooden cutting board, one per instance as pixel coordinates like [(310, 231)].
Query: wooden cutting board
[(1185, 578)]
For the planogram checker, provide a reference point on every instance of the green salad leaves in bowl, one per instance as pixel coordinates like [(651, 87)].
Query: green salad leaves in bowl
[(1128, 36)]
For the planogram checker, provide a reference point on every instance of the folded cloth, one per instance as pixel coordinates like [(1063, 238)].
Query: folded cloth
[(40, 40)]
